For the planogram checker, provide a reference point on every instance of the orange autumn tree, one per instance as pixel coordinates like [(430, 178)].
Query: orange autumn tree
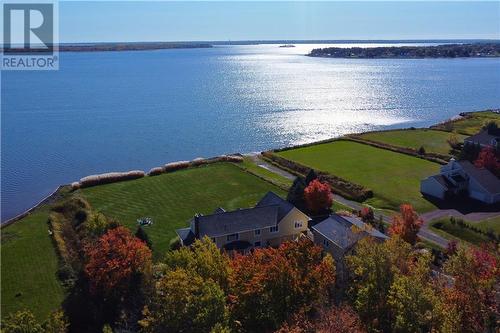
[(318, 196), (115, 261), (269, 285), (487, 159), (406, 224)]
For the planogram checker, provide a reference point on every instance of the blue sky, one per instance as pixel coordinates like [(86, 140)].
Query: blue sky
[(262, 20)]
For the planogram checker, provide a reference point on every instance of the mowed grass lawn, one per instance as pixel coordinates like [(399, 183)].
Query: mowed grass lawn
[(29, 266), (393, 177), (473, 124), (172, 199), (432, 141)]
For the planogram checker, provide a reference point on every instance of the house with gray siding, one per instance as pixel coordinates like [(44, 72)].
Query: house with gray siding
[(338, 236)]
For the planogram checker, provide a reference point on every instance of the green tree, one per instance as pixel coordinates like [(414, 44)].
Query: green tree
[(184, 302), (296, 194), (311, 175), (412, 298), (142, 235), (203, 258), (21, 322), (373, 267), (56, 323)]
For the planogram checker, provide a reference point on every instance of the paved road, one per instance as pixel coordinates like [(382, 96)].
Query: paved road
[(424, 233)]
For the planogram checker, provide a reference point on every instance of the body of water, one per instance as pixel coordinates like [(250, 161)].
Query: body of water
[(117, 111)]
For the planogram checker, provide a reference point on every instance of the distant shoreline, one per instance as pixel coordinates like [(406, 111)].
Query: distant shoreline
[(108, 47), (447, 51)]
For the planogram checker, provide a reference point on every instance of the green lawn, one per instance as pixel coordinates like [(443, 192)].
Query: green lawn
[(270, 176), (493, 224), (432, 141), (448, 230), (473, 124), (393, 177), (172, 199), (29, 266)]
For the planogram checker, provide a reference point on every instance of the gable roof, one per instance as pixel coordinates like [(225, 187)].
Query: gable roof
[(345, 231), (483, 177), (483, 138), (220, 224), (186, 235), (443, 181), (271, 198)]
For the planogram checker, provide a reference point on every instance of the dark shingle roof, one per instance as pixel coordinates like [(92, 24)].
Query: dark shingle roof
[(273, 199), (482, 137), (345, 231), (484, 177), (186, 235), (220, 224), (443, 181)]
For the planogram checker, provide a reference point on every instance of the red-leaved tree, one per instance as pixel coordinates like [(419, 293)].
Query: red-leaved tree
[(470, 303), (487, 159), (406, 224), (269, 285), (115, 261), (318, 196)]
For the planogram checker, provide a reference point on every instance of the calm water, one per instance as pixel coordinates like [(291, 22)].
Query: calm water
[(115, 111)]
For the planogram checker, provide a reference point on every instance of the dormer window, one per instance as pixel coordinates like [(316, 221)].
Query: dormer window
[(273, 230), (257, 232)]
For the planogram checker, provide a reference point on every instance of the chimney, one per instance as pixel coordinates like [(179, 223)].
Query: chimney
[(197, 225)]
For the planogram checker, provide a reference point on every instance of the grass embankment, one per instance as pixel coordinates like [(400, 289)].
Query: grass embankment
[(433, 141), (454, 231), (29, 266), (471, 124), (393, 177), (172, 199)]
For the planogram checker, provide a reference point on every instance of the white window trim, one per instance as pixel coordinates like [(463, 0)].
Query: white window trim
[(231, 240), (274, 232), (298, 225), (257, 232)]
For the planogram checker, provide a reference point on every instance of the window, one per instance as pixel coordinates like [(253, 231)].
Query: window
[(232, 237), (326, 243), (256, 244), (257, 232), (273, 229), (298, 225)]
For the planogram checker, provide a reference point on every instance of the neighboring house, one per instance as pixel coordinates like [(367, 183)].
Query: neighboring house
[(484, 138), (339, 234), (271, 222), (462, 177)]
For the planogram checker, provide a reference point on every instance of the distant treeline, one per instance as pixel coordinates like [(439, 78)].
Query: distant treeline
[(117, 47), (439, 51)]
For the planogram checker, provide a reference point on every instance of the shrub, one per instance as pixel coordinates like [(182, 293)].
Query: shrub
[(110, 177), (421, 150), (175, 243), (21, 322), (233, 158), (174, 166), (156, 171), (198, 161)]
